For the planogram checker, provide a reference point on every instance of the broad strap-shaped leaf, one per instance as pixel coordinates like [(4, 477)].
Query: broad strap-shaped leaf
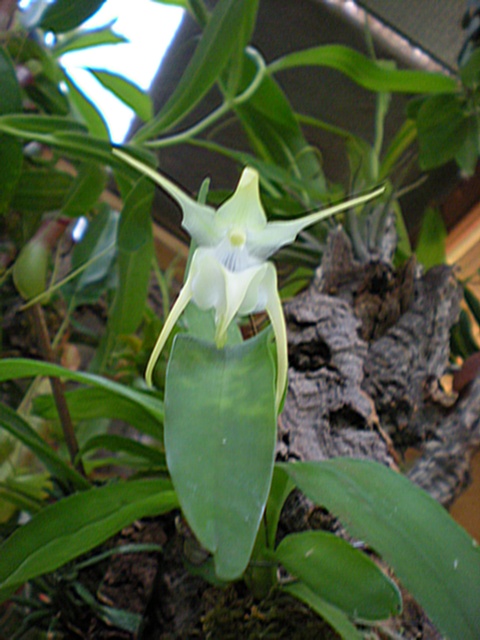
[(220, 428), (20, 429), (341, 575), (74, 525), (433, 556), (13, 368), (367, 73)]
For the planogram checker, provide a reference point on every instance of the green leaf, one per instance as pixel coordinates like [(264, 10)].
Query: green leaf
[(126, 91), (433, 556), (13, 368), (11, 160), (71, 137), (86, 110), (473, 303), (135, 254), (20, 429), (90, 403), (65, 15), (470, 72), (430, 249), (335, 618), (367, 73), (275, 134), (185, 4), (281, 488), (220, 429), (463, 335), (402, 140), (85, 191), (77, 524), (442, 129), (119, 443), (42, 190), (45, 92), (10, 95), (27, 126), (84, 40), (467, 154), (11, 156), (343, 576), (118, 618), (95, 255), (201, 324), (210, 58)]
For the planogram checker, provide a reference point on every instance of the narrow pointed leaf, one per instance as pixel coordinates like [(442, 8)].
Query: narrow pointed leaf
[(11, 369), (84, 40), (135, 254), (89, 403), (74, 525), (220, 438), (210, 58), (20, 429), (434, 557), (367, 73), (126, 91)]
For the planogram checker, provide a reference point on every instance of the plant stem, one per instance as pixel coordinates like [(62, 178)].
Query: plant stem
[(40, 324)]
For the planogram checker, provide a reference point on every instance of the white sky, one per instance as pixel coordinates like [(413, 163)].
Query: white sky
[(149, 27)]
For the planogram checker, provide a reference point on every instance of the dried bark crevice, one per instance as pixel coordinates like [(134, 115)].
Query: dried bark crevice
[(368, 347)]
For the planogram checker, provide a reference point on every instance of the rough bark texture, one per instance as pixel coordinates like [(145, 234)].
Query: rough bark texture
[(368, 349)]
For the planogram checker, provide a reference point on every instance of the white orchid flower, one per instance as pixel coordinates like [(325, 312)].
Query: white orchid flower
[(229, 271)]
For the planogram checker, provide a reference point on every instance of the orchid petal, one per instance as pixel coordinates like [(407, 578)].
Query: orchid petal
[(176, 311), (277, 234), (198, 219), (228, 292)]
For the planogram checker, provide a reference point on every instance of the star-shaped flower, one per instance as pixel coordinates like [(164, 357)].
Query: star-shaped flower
[(229, 271)]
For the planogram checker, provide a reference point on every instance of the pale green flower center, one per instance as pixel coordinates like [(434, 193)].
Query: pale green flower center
[(237, 237)]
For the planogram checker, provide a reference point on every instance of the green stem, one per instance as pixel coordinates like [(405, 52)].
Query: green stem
[(219, 112)]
